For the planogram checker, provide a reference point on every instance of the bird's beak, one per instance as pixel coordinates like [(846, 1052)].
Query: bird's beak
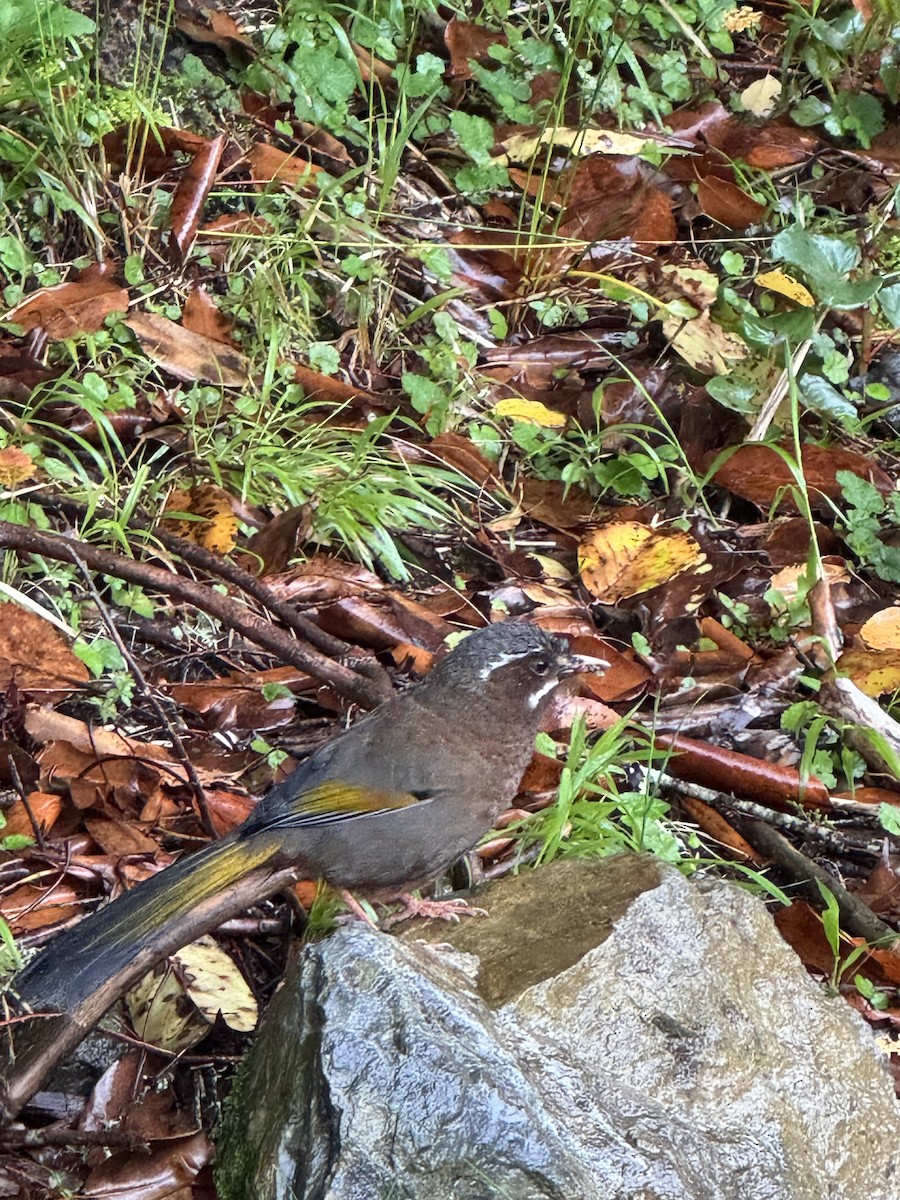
[(579, 664)]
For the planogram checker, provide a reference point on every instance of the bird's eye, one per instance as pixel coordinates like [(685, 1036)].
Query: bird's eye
[(541, 667)]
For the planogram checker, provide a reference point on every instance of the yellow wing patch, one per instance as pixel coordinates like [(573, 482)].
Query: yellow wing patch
[(338, 799)]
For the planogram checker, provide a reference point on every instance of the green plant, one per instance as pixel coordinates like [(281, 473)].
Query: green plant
[(593, 815), (864, 522), (825, 755), (831, 923), (831, 42), (279, 451)]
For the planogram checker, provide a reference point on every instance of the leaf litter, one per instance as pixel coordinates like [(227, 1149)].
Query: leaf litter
[(418, 329)]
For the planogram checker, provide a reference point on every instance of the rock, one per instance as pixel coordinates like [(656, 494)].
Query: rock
[(686, 1056)]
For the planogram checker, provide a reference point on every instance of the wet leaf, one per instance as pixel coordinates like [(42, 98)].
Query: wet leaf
[(214, 526), (79, 306), (785, 285), (188, 356), (760, 474), (882, 630), (625, 559), (530, 411), (35, 657)]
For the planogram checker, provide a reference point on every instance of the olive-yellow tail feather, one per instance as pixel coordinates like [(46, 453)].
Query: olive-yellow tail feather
[(153, 919), (107, 953)]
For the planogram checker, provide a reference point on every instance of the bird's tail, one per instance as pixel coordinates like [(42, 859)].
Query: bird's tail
[(85, 969), (150, 921)]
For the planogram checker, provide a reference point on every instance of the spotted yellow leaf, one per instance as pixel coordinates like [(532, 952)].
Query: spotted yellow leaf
[(204, 515), (705, 345), (522, 147), (531, 411), (873, 671), (786, 285), (625, 559)]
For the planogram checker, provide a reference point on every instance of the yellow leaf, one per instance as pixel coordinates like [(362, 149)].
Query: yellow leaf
[(873, 671), (531, 411), (786, 285), (521, 147), (625, 559), (761, 96), (705, 345), (882, 630), (203, 515)]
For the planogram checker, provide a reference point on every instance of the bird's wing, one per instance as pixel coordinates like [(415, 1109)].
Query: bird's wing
[(337, 800)]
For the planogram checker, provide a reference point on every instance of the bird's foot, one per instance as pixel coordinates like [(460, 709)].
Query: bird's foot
[(439, 910)]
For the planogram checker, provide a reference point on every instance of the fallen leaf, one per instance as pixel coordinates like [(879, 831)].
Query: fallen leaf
[(15, 466), (704, 345), (202, 315), (190, 196), (882, 630), (79, 306), (787, 581), (625, 559), (786, 285), (874, 672), (728, 204), (206, 976), (269, 164), (215, 525), (188, 356), (35, 656), (761, 96), (530, 411), (466, 42), (759, 473)]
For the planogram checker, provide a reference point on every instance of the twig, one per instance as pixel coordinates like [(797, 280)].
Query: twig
[(856, 916), (230, 612), (153, 700), (222, 568), (34, 1138)]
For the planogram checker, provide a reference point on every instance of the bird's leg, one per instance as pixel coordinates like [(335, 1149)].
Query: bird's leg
[(356, 909), (440, 910)]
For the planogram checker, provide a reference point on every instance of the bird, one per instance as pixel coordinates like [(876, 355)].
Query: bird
[(382, 808)]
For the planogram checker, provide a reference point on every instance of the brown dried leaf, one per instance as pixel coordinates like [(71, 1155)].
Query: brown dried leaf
[(219, 30), (465, 40), (759, 474), (165, 1173), (35, 656), (553, 504), (188, 356), (45, 808), (728, 204), (26, 907), (190, 196), (79, 306), (462, 454), (202, 315), (268, 164), (15, 466), (276, 543)]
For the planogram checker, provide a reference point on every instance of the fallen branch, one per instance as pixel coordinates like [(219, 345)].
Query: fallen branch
[(229, 612)]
